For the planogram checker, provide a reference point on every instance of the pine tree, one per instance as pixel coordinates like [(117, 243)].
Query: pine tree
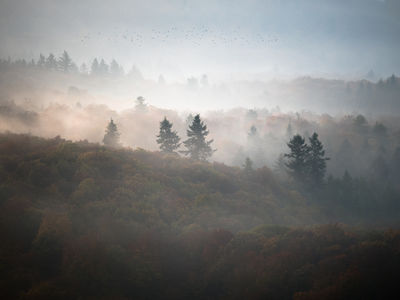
[(41, 63), (115, 68), (51, 62), (248, 166), (141, 104), (94, 69), (111, 138), (316, 161), (103, 68), (167, 139), (65, 63), (197, 146), (298, 156)]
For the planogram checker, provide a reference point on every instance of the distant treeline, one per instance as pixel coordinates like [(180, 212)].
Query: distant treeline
[(64, 63)]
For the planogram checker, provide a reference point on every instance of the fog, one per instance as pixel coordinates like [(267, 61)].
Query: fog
[(246, 118), (180, 39)]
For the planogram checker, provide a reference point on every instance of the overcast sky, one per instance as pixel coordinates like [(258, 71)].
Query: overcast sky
[(180, 38)]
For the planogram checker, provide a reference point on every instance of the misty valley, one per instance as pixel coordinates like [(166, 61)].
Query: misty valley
[(199, 150)]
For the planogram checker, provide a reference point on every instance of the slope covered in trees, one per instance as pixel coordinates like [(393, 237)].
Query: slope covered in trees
[(82, 220)]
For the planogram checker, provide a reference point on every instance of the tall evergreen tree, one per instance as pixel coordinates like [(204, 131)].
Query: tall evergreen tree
[(298, 158), (197, 146), (111, 138), (248, 166), (65, 63), (94, 69), (167, 139), (51, 62), (115, 68), (41, 63), (316, 160), (103, 68)]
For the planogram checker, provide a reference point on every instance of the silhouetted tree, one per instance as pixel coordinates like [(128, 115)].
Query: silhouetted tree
[(103, 67), (197, 146), (167, 139), (41, 63), (111, 138), (65, 63), (140, 103), (248, 166), (94, 69), (289, 130), (51, 62), (253, 131), (115, 68), (298, 158), (316, 160)]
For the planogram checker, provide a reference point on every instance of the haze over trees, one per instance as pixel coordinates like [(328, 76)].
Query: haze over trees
[(111, 186), (168, 140), (306, 162), (197, 146), (111, 137)]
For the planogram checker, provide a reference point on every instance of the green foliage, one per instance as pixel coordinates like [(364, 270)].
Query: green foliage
[(298, 158), (248, 166), (167, 139), (307, 163), (111, 138), (197, 146), (139, 225), (316, 160)]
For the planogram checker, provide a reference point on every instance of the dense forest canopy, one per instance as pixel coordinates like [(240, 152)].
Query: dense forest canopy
[(199, 149)]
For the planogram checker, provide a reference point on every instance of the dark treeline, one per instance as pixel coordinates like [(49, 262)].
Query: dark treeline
[(79, 220), (64, 63)]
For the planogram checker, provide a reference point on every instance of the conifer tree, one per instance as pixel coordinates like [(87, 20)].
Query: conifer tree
[(103, 68), (65, 63), (167, 139), (115, 68), (41, 62), (51, 62), (197, 146), (94, 69), (248, 166), (111, 138), (298, 158), (316, 161)]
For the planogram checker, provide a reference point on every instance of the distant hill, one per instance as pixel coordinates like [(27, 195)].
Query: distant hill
[(78, 220)]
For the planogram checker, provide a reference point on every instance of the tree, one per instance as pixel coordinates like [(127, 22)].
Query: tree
[(248, 166), (316, 160), (298, 158), (167, 139), (111, 138), (140, 104), (103, 68), (197, 146), (115, 68), (41, 62), (51, 62), (94, 70), (253, 132), (289, 130), (65, 62)]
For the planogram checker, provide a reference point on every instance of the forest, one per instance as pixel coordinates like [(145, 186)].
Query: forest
[(199, 149), (148, 202)]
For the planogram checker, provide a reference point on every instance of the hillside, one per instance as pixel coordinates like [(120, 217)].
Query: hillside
[(82, 219)]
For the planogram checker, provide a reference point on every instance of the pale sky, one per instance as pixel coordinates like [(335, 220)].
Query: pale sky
[(181, 38)]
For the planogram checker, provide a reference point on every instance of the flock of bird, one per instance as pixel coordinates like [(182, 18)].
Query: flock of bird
[(200, 35)]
